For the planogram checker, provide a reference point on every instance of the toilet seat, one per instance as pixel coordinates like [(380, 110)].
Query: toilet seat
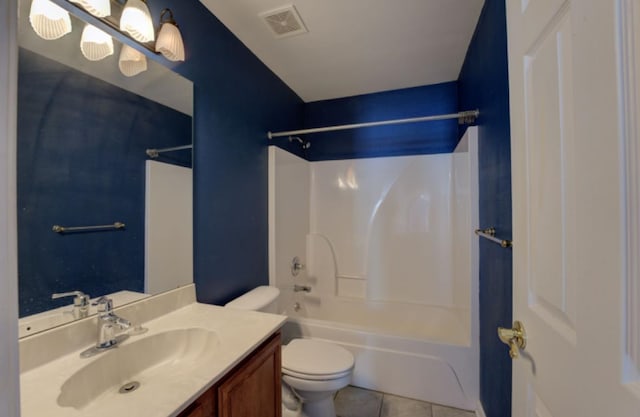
[(319, 377), (302, 385), (316, 360)]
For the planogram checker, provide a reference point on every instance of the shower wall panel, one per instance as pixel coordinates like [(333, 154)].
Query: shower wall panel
[(388, 231), (389, 224), (288, 217)]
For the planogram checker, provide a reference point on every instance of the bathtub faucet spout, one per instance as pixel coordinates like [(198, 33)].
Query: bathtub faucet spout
[(298, 288)]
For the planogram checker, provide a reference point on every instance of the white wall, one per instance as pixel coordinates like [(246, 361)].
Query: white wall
[(9, 368), (466, 254), (288, 218), (168, 227), (464, 189)]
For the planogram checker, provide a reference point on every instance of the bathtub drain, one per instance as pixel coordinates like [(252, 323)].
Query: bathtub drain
[(129, 387)]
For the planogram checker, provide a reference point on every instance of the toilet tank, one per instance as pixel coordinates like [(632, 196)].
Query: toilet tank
[(263, 298)]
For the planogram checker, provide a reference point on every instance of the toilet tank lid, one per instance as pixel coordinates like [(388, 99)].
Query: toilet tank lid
[(256, 299)]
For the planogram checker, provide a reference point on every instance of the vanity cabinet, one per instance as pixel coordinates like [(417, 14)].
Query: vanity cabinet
[(251, 389), (204, 406)]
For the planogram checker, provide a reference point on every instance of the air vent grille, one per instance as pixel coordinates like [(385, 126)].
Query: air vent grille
[(284, 22)]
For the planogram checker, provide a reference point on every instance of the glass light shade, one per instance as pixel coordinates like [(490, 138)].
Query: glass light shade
[(131, 62), (170, 42), (98, 8), (49, 20), (136, 20), (95, 44)]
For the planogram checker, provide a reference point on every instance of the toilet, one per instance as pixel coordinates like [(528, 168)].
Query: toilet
[(313, 369)]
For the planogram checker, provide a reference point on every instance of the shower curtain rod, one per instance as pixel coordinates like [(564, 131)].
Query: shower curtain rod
[(464, 117), (154, 153)]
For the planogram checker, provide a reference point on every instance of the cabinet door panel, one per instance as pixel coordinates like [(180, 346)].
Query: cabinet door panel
[(203, 406), (254, 390)]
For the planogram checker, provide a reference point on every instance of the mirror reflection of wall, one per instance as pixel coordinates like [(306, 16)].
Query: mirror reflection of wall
[(81, 161)]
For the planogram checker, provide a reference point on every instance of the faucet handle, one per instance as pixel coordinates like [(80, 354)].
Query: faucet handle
[(296, 266), (80, 299), (105, 304), (81, 302)]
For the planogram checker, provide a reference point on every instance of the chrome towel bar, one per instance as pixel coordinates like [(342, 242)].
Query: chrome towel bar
[(63, 229), (490, 234), (154, 153)]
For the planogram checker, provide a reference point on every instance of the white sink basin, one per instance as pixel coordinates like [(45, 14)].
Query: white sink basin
[(152, 361)]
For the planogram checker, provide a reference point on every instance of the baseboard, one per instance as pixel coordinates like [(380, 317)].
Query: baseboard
[(480, 410)]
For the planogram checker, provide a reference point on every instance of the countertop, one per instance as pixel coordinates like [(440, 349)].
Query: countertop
[(238, 333)]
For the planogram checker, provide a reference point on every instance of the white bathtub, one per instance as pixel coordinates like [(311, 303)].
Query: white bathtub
[(398, 229), (424, 355)]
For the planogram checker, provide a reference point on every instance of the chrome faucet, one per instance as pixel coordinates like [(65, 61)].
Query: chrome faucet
[(80, 302), (298, 288), (108, 324)]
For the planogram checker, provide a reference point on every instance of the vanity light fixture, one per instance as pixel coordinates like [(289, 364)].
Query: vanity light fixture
[(136, 21), (95, 44), (49, 20), (169, 42), (98, 8), (132, 62)]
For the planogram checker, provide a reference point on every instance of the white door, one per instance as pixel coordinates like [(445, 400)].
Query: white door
[(571, 64)]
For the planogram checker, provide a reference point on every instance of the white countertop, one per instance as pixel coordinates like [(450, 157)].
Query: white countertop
[(238, 333)]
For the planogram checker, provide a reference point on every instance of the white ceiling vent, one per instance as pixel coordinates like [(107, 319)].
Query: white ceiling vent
[(284, 22)]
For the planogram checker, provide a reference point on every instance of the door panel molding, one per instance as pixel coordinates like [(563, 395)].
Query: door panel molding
[(550, 172), (628, 15)]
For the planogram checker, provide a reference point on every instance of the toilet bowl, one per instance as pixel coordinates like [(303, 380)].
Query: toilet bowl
[(314, 370)]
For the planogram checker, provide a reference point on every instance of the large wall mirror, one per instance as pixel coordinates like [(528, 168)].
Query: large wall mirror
[(83, 134)]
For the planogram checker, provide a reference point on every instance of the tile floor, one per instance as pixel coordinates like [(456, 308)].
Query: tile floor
[(358, 402)]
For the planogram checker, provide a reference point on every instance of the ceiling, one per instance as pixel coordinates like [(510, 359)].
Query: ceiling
[(357, 46)]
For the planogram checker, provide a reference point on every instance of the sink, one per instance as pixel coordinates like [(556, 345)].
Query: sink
[(188, 348), (137, 366)]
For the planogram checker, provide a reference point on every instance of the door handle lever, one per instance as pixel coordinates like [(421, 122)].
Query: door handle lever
[(515, 338)]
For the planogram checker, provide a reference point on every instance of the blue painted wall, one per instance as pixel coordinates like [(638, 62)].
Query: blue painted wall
[(81, 161), (483, 82), (237, 100), (395, 140)]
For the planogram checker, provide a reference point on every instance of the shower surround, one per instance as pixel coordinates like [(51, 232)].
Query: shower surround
[(391, 260)]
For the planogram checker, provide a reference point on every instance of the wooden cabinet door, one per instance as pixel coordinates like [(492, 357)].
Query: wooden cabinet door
[(254, 389), (203, 406)]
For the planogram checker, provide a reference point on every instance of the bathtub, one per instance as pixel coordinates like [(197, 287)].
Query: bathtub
[(392, 264), (415, 351)]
